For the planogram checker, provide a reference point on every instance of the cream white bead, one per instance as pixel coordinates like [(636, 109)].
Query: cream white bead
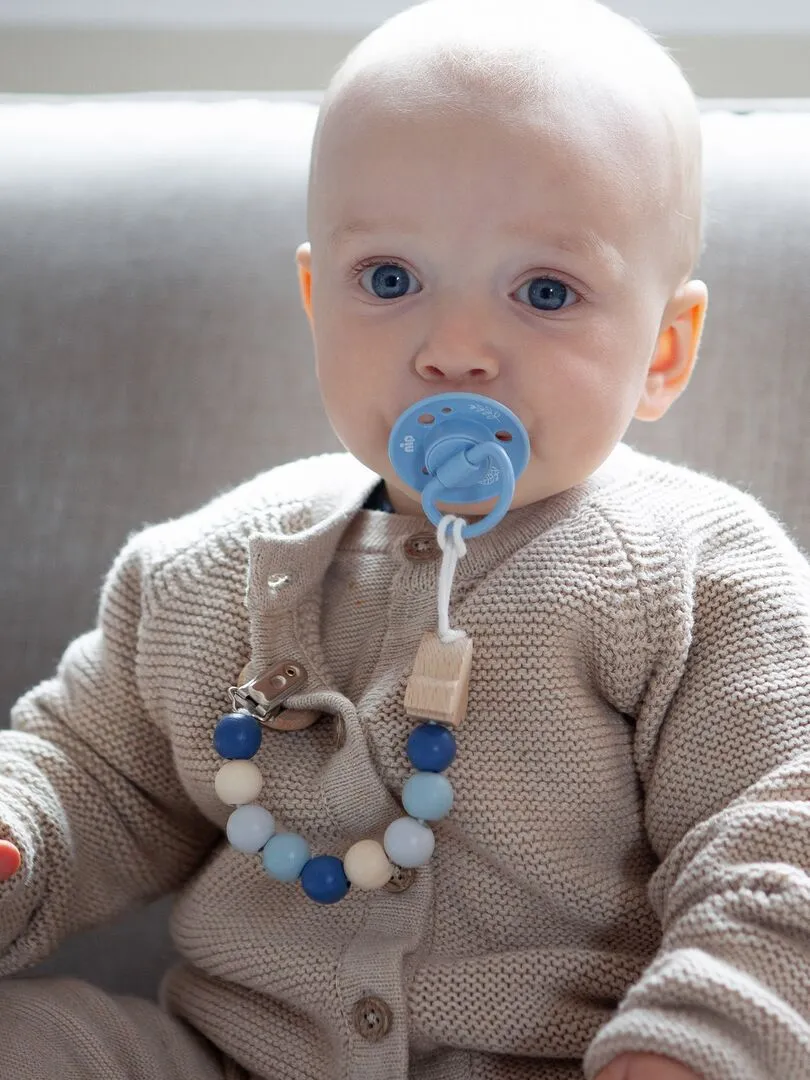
[(366, 865), (238, 782)]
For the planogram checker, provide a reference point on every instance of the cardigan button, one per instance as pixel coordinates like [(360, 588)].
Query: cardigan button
[(401, 879), (372, 1018), (339, 731), (422, 547)]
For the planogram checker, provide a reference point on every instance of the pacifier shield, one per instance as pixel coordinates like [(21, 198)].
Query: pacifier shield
[(435, 442)]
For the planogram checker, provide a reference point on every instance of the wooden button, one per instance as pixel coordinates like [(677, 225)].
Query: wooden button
[(422, 547), (372, 1018), (401, 879), (339, 731), (293, 720)]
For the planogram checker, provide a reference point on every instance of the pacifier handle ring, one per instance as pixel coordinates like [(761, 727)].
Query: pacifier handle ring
[(476, 455)]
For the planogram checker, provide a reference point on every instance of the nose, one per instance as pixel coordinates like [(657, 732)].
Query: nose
[(456, 351)]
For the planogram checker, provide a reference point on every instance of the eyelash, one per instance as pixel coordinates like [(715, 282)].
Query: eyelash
[(366, 264)]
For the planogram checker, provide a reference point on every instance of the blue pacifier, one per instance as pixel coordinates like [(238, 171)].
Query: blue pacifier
[(460, 448)]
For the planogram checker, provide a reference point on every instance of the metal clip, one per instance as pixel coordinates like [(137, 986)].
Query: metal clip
[(264, 696)]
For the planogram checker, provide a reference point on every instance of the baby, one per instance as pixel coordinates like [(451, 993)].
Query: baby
[(504, 200)]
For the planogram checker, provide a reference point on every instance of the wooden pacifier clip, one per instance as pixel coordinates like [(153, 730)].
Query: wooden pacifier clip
[(436, 693)]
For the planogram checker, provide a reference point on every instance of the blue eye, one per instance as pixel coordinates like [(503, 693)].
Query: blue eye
[(388, 281), (549, 294)]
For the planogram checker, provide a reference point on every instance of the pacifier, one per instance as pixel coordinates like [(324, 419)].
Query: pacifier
[(460, 448)]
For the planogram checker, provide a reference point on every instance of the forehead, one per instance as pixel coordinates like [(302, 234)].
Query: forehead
[(385, 166)]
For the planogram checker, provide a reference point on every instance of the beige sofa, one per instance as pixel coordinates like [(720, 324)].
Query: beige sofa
[(153, 350)]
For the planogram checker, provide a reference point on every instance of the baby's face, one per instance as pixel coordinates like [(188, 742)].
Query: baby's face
[(491, 255)]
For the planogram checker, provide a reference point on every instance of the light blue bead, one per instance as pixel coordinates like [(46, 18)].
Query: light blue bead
[(427, 796), (249, 828), (284, 856), (407, 843)]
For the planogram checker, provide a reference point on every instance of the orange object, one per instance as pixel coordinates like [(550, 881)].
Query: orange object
[(9, 859)]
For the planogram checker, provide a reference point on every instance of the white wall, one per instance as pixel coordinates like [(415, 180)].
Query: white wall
[(729, 48), (661, 16)]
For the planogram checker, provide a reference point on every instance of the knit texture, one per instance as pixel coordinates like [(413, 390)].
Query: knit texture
[(68, 1029), (626, 863)]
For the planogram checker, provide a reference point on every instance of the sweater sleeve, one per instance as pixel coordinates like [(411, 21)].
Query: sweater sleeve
[(722, 748), (88, 788)]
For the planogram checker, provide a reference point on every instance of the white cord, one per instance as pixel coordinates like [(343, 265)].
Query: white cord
[(454, 548)]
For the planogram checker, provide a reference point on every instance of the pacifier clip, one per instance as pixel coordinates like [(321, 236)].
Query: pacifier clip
[(442, 447)]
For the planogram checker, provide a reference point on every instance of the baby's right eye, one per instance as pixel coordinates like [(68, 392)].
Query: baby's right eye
[(389, 281)]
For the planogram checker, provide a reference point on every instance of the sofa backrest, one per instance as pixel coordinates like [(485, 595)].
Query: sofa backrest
[(153, 350)]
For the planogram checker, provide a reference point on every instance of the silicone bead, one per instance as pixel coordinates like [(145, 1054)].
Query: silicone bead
[(285, 855), (238, 782), (427, 796), (407, 843), (366, 865), (237, 735), (431, 747), (249, 828), (323, 879)]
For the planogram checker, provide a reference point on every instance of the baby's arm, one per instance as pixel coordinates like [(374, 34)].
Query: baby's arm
[(723, 753), (88, 788)]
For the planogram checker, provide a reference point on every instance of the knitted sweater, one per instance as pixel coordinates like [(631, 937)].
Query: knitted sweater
[(627, 862)]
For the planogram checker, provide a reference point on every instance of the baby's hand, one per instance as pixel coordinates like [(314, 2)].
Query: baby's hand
[(9, 860), (635, 1066)]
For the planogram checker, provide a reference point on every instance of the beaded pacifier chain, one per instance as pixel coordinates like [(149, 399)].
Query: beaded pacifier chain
[(456, 448)]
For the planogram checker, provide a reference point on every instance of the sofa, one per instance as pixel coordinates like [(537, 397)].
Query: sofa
[(153, 352)]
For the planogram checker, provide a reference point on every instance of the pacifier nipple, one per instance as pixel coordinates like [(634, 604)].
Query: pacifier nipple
[(460, 448)]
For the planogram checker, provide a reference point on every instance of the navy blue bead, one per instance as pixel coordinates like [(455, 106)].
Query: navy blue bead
[(324, 880), (431, 747), (237, 736)]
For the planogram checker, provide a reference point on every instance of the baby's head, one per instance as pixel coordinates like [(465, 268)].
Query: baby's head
[(505, 199)]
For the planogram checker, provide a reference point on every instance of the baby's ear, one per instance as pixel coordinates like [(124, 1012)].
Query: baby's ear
[(676, 351), (303, 258)]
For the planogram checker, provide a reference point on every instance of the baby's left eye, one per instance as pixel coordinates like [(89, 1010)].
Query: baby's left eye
[(549, 294)]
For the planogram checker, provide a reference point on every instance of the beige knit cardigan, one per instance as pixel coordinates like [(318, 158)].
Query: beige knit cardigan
[(626, 866)]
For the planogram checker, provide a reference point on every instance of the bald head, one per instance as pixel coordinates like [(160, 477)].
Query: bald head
[(574, 69)]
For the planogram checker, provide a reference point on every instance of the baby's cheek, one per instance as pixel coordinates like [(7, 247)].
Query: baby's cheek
[(606, 388), (576, 398), (341, 402)]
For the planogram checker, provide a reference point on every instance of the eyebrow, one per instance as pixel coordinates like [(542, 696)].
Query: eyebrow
[(358, 227), (585, 242)]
